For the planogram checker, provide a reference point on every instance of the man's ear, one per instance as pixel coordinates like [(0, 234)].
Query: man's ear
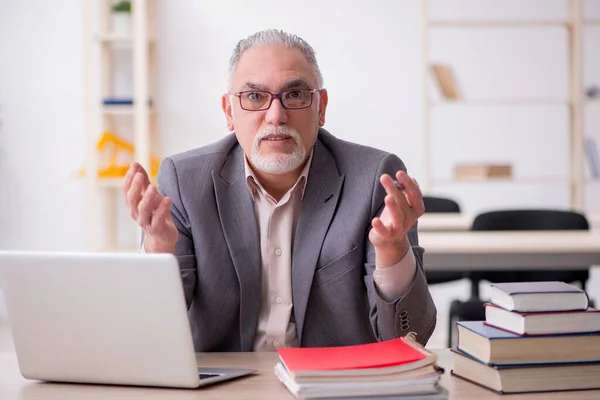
[(322, 106), (227, 110)]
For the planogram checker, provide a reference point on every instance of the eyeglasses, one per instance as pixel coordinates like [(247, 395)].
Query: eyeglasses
[(259, 100)]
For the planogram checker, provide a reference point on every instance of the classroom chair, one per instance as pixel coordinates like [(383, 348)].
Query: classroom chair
[(440, 205)]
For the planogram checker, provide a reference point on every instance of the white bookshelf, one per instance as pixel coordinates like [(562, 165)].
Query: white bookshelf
[(574, 180), (126, 40), (108, 225)]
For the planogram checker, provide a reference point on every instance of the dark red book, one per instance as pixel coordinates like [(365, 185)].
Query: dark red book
[(543, 323)]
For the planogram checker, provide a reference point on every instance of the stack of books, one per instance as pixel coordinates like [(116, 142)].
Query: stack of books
[(382, 370), (537, 336)]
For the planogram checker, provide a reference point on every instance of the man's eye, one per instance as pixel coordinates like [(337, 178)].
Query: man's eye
[(255, 96), (294, 94)]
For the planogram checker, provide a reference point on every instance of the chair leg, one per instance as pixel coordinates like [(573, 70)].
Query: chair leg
[(454, 315), (450, 330), (470, 310)]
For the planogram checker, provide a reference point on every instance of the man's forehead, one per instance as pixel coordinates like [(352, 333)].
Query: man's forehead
[(273, 66), (294, 83)]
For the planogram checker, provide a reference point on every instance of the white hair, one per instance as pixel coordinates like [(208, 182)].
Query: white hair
[(275, 37)]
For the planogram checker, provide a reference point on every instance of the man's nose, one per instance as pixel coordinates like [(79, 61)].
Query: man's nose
[(276, 114)]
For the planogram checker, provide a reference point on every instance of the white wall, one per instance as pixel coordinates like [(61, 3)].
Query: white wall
[(370, 55), (41, 133)]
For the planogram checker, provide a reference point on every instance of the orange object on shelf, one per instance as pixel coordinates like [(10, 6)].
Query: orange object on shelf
[(116, 154)]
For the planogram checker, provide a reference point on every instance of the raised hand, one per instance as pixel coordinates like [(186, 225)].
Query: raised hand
[(403, 206), (151, 211)]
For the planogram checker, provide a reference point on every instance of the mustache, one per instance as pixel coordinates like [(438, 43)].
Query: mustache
[(278, 130)]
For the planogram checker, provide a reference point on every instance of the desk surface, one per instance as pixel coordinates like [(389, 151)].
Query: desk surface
[(264, 385), (510, 249)]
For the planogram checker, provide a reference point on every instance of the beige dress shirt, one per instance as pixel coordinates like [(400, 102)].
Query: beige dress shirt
[(277, 224)]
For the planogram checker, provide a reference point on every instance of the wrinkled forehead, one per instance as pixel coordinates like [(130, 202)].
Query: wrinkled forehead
[(273, 68)]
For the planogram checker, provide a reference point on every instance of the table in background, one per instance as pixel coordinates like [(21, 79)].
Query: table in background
[(264, 385), (487, 250), (457, 222), (445, 222)]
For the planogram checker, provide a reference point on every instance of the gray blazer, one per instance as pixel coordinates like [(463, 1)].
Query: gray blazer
[(335, 299)]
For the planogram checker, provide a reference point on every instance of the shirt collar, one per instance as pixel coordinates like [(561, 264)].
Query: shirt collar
[(254, 184)]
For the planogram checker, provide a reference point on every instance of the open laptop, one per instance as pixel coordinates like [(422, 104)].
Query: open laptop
[(105, 318)]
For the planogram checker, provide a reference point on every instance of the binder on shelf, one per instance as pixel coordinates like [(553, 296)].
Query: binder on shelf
[(120, 101), (446, 81)]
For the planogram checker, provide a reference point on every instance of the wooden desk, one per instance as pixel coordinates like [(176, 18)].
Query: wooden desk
[(504, 250), (264, 385), (457, 222), (445, 222)]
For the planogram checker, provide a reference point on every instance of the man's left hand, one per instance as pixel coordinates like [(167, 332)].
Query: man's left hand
[(402, 209)]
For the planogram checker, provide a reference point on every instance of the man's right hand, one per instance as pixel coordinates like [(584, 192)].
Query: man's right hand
[(151, 210)]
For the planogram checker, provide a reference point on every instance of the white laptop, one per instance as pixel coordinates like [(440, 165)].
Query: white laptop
[(106, 318)]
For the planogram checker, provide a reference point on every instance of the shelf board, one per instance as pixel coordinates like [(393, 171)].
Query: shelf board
[(502, 102), (121, 110), (546, 180), (115, 38), (496, 24)]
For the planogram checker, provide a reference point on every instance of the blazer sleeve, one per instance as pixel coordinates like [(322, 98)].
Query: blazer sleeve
[(168, 185), (415, 311)]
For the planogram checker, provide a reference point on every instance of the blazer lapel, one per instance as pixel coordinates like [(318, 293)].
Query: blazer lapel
[(238, 220), (318, 206)]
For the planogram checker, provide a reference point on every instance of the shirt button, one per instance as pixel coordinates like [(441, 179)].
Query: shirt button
[(279, 300), (278, 251), (275, 343)]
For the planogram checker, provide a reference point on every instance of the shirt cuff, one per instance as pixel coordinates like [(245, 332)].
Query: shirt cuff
[(393, 282)]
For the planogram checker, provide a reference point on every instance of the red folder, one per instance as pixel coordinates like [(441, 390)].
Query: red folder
[(389, 353)]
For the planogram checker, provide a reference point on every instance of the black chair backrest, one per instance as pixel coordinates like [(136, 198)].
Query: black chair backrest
[(440, 205), (533, 220), (519, 220)]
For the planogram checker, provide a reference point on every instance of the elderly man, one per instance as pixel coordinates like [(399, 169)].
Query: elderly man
[(286, 235)]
